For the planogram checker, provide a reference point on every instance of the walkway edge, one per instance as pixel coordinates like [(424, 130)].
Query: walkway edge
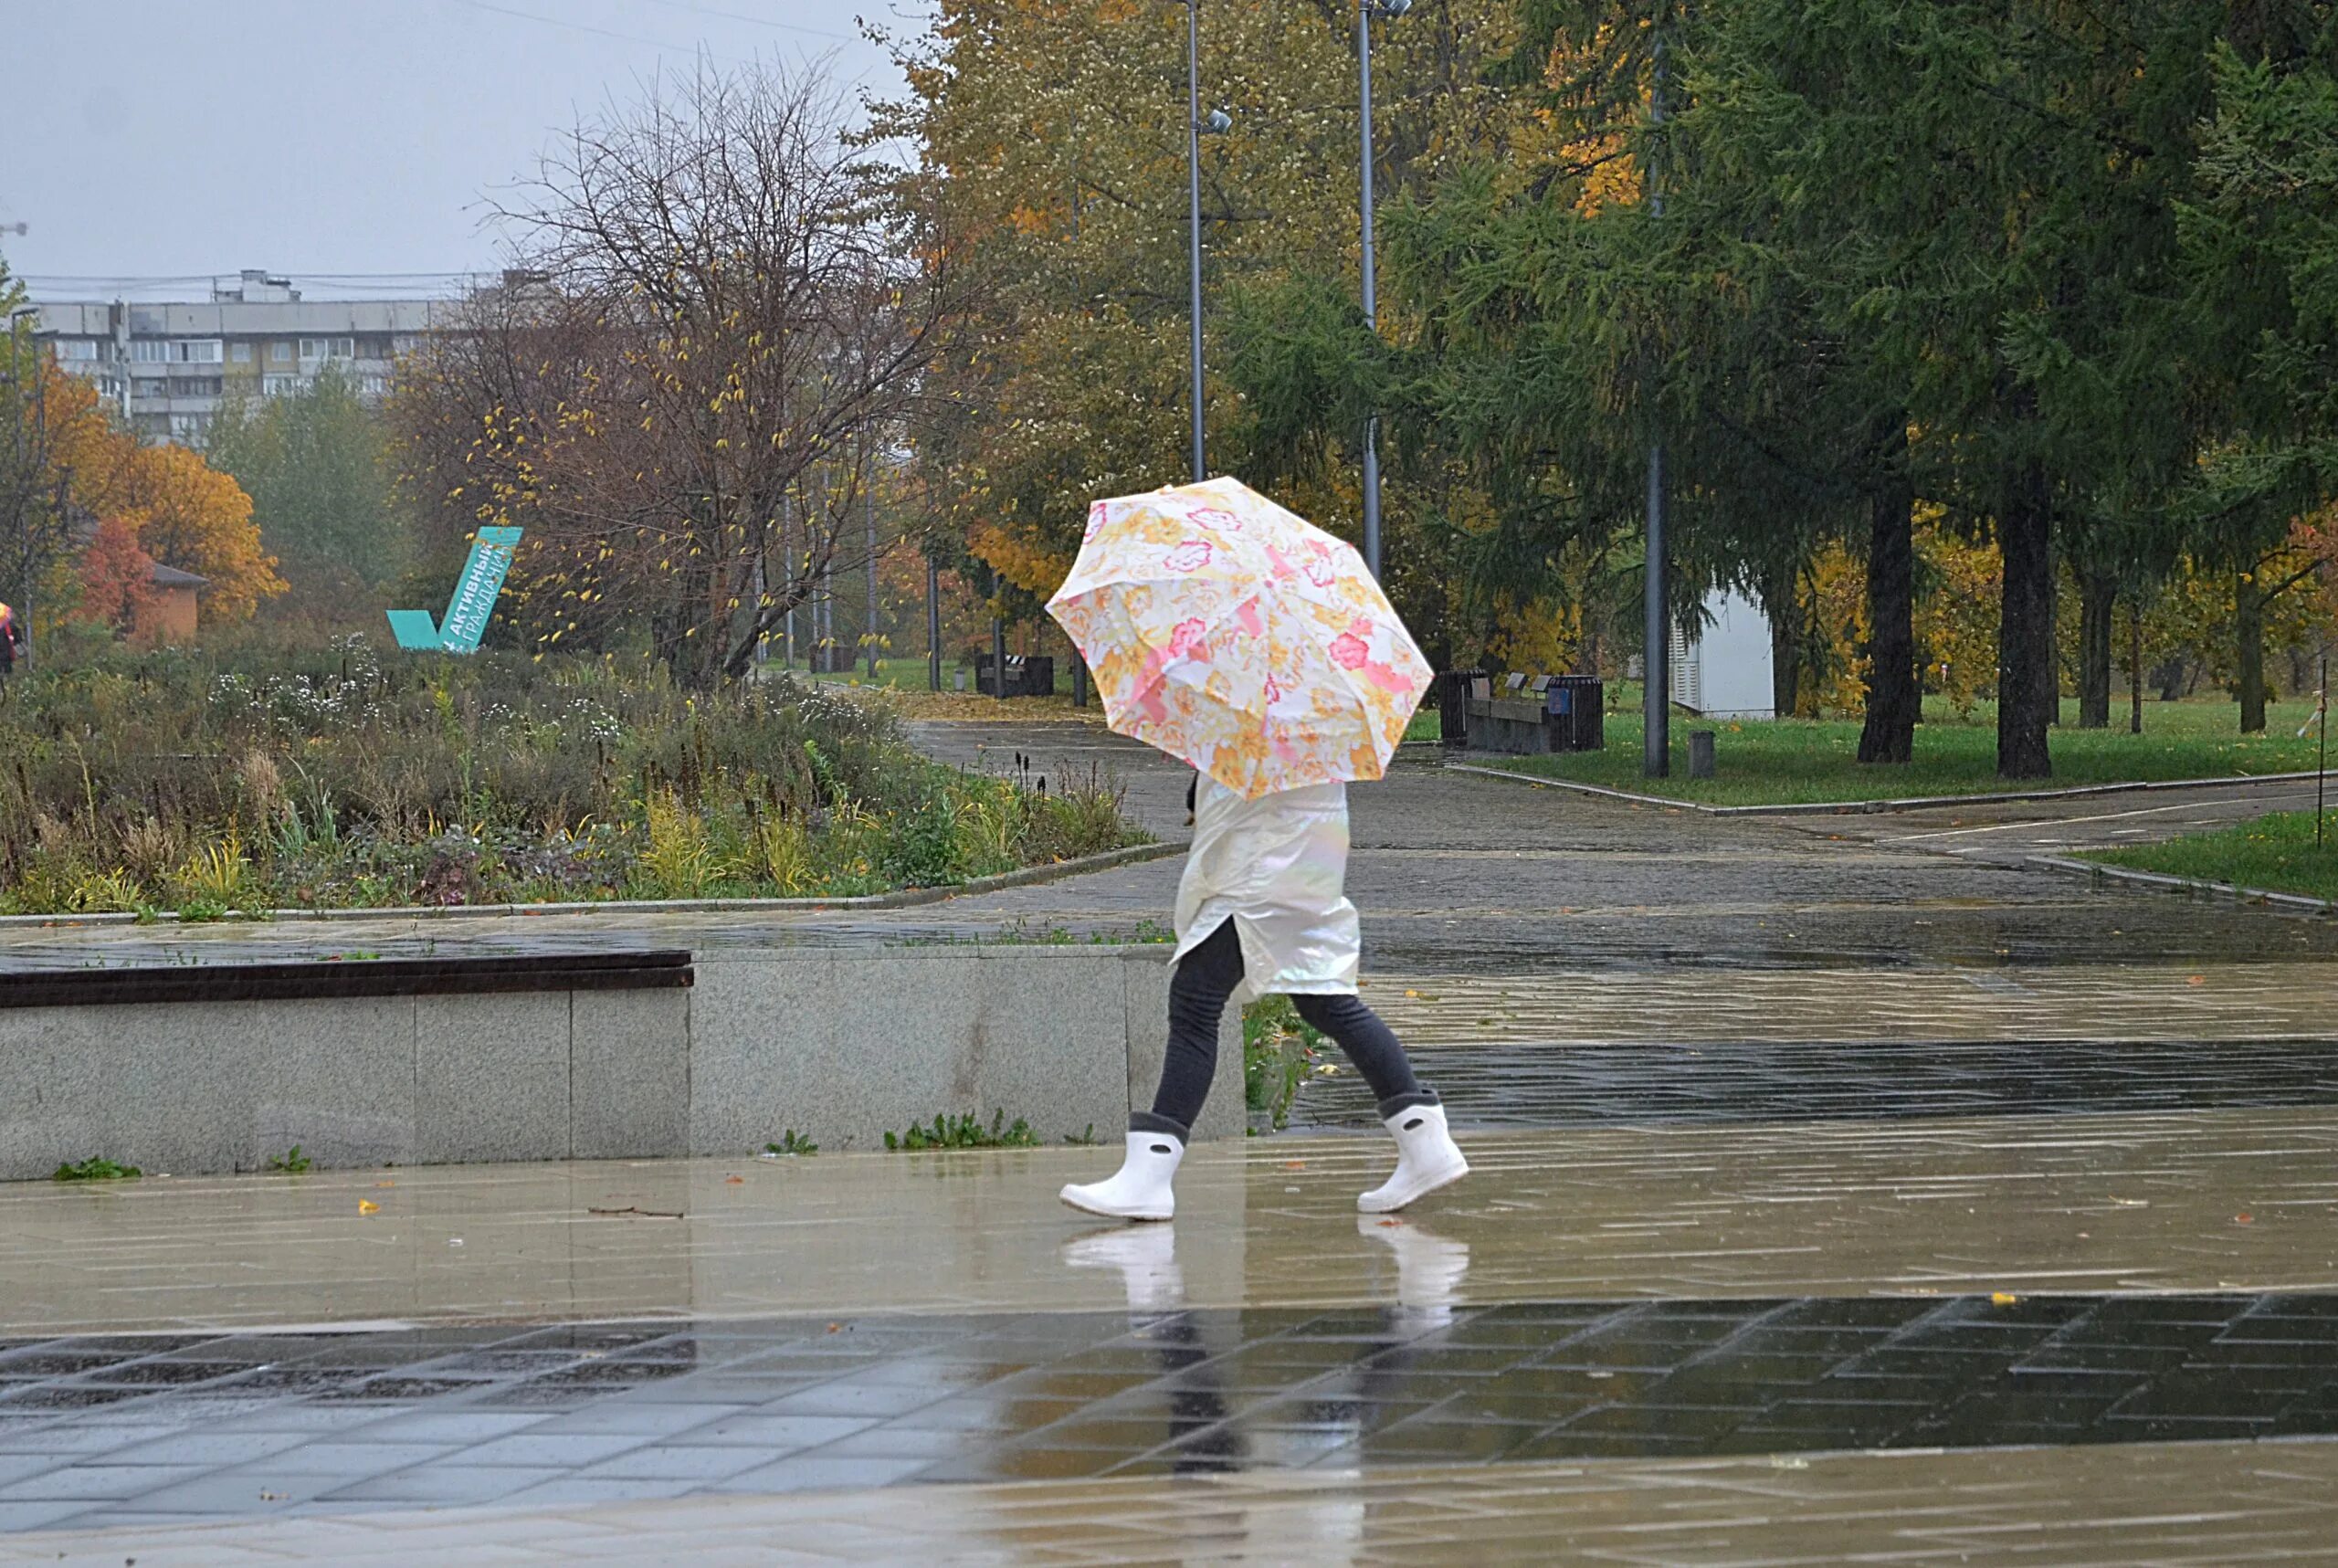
[(2094, 870), (1875, 807), (901, 899)]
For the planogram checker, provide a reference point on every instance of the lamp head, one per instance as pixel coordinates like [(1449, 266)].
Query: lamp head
[(1389, 10), (1216, 123)]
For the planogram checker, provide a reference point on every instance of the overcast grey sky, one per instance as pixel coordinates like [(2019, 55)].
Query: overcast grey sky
[(184, 138)]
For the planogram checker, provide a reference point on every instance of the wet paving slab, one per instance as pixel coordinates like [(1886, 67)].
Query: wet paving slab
[(2204, 1504), (1642, 1082), (2183, 1201), (108, 1432)]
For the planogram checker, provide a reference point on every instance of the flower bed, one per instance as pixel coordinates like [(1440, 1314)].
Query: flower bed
[(339, 780)]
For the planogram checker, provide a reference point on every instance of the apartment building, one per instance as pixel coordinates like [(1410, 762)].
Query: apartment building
[(168, 366)]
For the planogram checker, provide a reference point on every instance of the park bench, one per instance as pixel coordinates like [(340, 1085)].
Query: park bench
[(1532, 715), (1027, 674)]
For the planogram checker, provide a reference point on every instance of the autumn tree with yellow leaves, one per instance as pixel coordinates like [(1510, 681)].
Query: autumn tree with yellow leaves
[(1055, 130)]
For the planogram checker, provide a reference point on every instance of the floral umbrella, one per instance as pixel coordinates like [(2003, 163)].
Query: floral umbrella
[(1239, 637)]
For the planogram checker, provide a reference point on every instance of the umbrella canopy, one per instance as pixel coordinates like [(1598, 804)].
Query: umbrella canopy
[(1239, 637)]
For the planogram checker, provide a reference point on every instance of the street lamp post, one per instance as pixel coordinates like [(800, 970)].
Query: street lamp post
[(1195, 128), (1656, 664), (1364, 12)]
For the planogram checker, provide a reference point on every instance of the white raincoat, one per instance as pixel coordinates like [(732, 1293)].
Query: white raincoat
[(1276, 867)]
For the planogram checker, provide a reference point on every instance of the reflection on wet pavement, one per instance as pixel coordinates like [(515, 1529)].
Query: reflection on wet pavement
[(97, 1431), (2114, 1200)]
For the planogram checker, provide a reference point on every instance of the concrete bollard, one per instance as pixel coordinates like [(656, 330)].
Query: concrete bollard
[(1700, 753)]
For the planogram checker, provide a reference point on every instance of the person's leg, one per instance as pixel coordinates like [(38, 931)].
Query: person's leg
[(1370, 1044), (1205, 979), (1198, 992), (1427, 1156)]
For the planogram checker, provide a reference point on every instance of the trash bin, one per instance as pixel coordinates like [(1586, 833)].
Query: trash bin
[(1453, 691), (1577, 707)]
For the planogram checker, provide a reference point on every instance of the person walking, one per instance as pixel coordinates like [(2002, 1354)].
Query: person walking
[(1237, 636), (1262, 909), (12, 641)]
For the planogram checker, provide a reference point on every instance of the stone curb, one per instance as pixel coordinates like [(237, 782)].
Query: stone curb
[(1875, 807), (2094, 871), (901, 899)]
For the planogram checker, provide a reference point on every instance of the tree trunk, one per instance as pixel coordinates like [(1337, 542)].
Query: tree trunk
[(2099, 592), (2026, 658), (1784, 607), (1893, 699), (2248, 631)]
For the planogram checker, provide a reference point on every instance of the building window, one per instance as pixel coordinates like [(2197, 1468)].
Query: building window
[(327, 348), (190, 428), (149, 351), (281, 386), (279, 353), (150, 424), (375, 386), (77, 348), (240, 353), (196, 351), (405, 344), (197, 386)]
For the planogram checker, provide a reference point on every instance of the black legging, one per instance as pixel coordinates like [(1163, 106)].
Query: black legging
[(1199, 993)]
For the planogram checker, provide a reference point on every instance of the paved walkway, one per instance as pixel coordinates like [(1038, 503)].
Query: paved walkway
[(1841, 1193), (2212, 1504), (2011, 832)]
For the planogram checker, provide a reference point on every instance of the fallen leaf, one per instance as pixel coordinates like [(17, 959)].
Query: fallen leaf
[(1294, 1164), (2243, 1219), (385, 1183), (2197, 980), (367, 1205), (734, 1181), (2003, 1298)]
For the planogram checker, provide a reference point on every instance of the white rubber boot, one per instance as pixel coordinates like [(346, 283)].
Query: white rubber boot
[(1427, 1158), (1142, 1189), (1146, 1256)]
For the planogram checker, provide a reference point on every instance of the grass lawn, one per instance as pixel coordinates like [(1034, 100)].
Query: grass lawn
[(2275, 852), (1799, 760)]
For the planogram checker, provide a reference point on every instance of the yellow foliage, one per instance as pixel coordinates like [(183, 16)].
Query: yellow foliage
[(1541, 637), (1955, 621), (1030, 566), (1960, 585)]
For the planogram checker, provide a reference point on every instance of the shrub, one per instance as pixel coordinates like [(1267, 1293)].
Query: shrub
[(334, 778)]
